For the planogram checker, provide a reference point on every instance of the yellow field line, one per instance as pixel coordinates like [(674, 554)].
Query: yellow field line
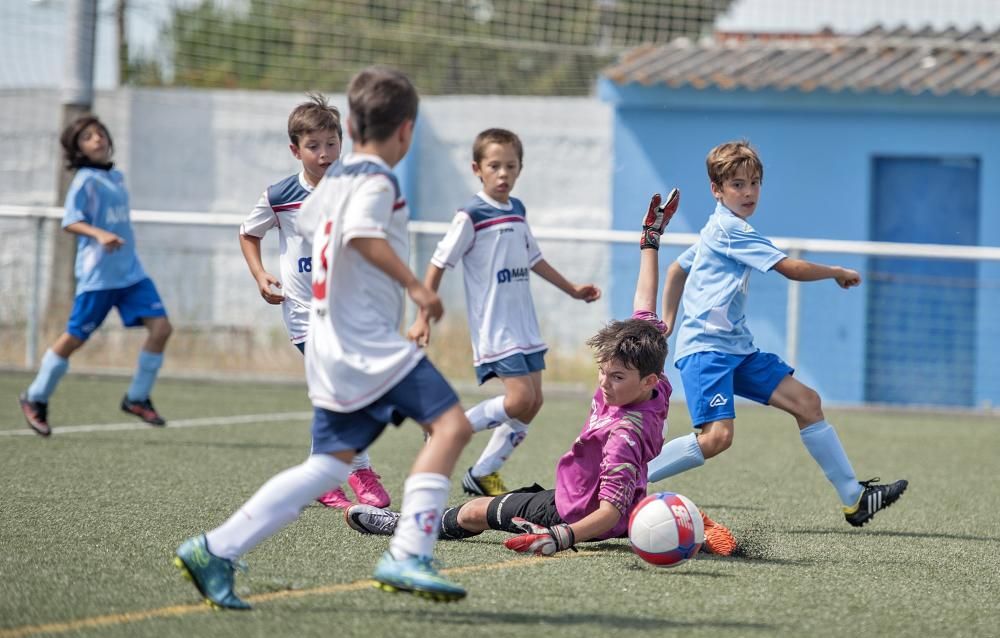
[(184, 610)]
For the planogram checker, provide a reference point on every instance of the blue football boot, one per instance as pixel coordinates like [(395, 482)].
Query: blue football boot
[(415, 575), (213, 576)]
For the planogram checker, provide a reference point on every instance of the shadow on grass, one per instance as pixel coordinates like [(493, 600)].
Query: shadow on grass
[(895, 534), (611, 622), (745, 553)]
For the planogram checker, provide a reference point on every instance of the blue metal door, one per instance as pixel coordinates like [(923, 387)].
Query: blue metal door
[(921, 344)]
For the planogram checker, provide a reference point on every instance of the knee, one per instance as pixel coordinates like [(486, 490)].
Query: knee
[(715, 441), (522, 404), (160, 331), (810, 407), (472, 515), (536, 407)]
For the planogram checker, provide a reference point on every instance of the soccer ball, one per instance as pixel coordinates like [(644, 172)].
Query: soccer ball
[(666, 529)]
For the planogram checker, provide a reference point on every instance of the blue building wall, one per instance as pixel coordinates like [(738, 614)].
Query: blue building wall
[(818, 152)]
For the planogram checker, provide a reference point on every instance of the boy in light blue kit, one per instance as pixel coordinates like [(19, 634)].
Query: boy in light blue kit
[(362, 373), (315, 137), (108, 275), (715, 351)]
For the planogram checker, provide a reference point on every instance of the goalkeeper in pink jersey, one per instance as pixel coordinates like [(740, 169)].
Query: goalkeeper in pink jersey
[(603, 475)]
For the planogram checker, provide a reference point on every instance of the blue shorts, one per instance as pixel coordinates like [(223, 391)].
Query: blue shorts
[(135, 303), (423, 395), (516, 365), (712, 378)]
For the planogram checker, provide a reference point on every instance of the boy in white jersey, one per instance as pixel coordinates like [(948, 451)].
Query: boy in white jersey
[(491, 237), (603, 475), (715, 350), (315, 136), (362, 373), (108, 275)]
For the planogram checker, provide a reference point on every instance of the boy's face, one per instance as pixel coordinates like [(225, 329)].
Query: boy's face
[(317, 150), (622, 385), (94, 144), (498, 170), (740, 193)]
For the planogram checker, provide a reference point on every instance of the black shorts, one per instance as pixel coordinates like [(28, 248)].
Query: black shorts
[(533, 503)]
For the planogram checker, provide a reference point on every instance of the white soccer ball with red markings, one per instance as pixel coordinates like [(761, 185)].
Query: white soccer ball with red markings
[(666, 529)]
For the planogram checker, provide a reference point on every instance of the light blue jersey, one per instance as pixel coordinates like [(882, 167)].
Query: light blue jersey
[(718, 282), (99, 198)]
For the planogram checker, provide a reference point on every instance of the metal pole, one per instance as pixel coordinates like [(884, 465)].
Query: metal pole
[(792, 317), (34, 318), (77, 99)]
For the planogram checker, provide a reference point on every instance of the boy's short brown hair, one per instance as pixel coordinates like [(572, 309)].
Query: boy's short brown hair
[(635, 343), (315, 115), (380, 99), (725, 160), (70, 140), (496, 136)]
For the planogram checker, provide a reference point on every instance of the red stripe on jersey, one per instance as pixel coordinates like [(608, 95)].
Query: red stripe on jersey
[(281, 208), (498, 220), (399, 204)]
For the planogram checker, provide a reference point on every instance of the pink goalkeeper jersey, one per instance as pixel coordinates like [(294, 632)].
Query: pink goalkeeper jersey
[(608, 460)]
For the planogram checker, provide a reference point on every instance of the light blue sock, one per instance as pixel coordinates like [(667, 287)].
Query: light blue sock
[(145, 375), (49, 373), (678, 455), (824, 445)]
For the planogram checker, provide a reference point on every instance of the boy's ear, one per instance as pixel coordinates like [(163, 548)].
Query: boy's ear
[(716, 190), (649, 381), (294, 148)]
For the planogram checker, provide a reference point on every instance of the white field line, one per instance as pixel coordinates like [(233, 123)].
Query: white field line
[(239, 419)]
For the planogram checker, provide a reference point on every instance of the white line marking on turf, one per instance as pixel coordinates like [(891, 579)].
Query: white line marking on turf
[(239, 419)]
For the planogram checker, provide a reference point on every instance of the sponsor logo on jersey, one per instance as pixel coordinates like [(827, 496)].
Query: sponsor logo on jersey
[(506, 275), (306, 264), (116, 215)]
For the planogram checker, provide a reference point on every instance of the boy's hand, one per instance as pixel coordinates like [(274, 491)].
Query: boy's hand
[(420, 331), (427, 300), (848, 278), (658, 215), (586, 292), (538, 540), (109, 241), (264, 282)]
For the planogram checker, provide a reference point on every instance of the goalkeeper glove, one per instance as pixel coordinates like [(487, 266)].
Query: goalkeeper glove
[(540, 541), (657, 218)]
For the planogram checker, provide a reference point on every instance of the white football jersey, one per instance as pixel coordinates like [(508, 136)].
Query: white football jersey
[(497, 251), (355, 352), (278, 207)]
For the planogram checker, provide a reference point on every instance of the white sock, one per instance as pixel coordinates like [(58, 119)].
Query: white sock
[(487, 414), (276, 504), (505, 438), (424, 497), (361, 461)]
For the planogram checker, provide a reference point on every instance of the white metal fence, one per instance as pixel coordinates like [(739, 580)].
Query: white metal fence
[(830, 335)]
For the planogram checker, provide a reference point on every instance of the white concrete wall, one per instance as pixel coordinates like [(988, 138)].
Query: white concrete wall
[(215, 151)]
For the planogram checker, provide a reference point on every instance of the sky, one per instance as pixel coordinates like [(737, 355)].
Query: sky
[(33, 32)]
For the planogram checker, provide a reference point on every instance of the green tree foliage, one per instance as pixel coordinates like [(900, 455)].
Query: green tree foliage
[(526, 47)]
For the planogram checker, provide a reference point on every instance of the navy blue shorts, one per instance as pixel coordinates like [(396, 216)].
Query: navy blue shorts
[(516, 365), (711, 379), (423, 395), (135, 303)]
